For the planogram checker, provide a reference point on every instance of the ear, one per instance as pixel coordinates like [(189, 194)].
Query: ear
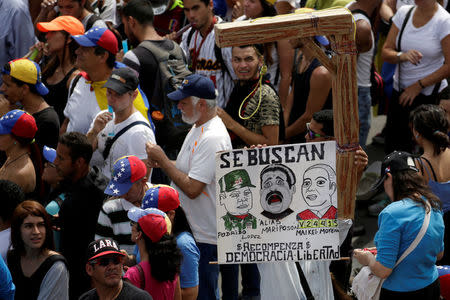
[(89, 269), (293, 189), (222, 197), (135, 94), (139, 235), (333, 188)]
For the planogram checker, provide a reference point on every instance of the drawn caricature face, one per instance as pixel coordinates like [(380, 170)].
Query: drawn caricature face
[(237, 202), (276, 195), (317, 188)]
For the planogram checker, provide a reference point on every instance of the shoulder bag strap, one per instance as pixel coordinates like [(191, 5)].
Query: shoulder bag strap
[(423, 230), (110, 142), (399, 42), (304, 282)]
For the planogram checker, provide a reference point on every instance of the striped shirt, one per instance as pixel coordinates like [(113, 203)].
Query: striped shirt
[(207, 63), (113, 222)]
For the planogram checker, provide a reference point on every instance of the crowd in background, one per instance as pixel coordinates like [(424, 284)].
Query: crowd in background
[(111, 112)]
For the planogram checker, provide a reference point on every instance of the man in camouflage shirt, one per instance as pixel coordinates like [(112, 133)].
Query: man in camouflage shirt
[(236, 196), (253, 113)]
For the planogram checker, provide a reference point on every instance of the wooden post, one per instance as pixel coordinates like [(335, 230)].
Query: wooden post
[(338, 26)]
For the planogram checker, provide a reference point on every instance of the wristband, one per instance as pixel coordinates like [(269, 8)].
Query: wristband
[(420, 83)]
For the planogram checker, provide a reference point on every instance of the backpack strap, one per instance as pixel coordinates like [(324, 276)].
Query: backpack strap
[(74, 83), (94, 18), (141, 276), (110, 142)]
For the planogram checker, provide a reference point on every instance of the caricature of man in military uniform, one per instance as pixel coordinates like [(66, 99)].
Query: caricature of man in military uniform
[(236, 196)]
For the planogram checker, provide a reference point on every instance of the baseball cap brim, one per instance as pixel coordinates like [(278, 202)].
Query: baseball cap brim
[(106, 253), (178, 95), (4, 129), (49, 26), (41, 89), (117, 189), (116, 86), (49, 154), (82, 40), (322, 40), (378, 186)]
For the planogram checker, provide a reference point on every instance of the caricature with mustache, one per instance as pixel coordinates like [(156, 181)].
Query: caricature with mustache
[(318, 187), (277, 190)]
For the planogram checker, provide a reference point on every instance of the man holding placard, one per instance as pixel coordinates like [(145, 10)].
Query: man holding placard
[(193, 173)]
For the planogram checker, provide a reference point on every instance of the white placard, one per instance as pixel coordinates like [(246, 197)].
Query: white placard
[(277, 203)]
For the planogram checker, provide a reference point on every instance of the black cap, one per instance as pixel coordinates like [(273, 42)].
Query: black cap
[(123, 80), (102, 247), (395, 162)]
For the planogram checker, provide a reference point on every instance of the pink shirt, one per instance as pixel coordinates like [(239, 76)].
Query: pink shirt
[(157, 289)]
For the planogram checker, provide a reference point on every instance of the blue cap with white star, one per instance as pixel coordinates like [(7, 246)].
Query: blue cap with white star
[(126, 171)]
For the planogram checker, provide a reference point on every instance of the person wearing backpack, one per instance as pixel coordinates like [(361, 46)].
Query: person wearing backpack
[(204, 56), (124, 131), (161, 66)]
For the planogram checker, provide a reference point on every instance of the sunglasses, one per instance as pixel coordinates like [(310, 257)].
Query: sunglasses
[(312, 135), (105, 261), (49, 164)]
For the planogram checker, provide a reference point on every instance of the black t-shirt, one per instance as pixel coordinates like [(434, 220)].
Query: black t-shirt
[(129, 291), (78, 217), (147, 66), (47, 122)]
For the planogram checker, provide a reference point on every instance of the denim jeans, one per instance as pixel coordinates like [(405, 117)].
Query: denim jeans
[(208, 288), (364, 104)]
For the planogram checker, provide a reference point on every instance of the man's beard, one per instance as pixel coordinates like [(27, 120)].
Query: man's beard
[(190, 120)]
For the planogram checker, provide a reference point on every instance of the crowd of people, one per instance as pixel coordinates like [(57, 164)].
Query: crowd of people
[(111, 113)]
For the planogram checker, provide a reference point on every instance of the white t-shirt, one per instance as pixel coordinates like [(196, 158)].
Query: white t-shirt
[(197, 158), (401, 3), (427, 40), (280, 280), (5, 242), (108, 11), (131, 142), (207, 63), (364, 61), (99, 23), (81, 107)]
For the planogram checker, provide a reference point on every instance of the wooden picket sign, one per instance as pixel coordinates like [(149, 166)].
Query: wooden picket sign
[(339, 27)]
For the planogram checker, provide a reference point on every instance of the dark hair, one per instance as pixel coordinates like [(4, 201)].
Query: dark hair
[(290, 176), (22, 211), (111, 57), (12, 195), (78, 145), (164, 257), (206, 2), (32, 87), (140, 10), (180, 222), (325, 117), (431, 123), (410, 184), (268, 9), (49, 69)]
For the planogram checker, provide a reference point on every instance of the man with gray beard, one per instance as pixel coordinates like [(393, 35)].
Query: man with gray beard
[(193, 173)]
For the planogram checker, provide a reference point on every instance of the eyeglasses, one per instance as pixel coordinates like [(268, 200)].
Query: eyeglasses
[(105, 261), (312, 134)]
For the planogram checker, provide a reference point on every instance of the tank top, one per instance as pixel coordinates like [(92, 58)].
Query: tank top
[(440, 189), (57, 95), (301, 83), (27, 288)]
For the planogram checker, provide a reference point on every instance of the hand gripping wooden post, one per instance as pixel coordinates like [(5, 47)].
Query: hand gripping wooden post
[(338, 26)]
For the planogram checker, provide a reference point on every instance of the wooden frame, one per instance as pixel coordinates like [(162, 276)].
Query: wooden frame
[(339, 27)]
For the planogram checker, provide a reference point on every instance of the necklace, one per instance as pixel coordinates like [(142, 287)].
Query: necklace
[(10, 162)]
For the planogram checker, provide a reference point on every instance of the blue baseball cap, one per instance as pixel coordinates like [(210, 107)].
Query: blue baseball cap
[(98, 36), (162, 197), (194, 85), (126, 171), (49, 154), (19, 123)]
